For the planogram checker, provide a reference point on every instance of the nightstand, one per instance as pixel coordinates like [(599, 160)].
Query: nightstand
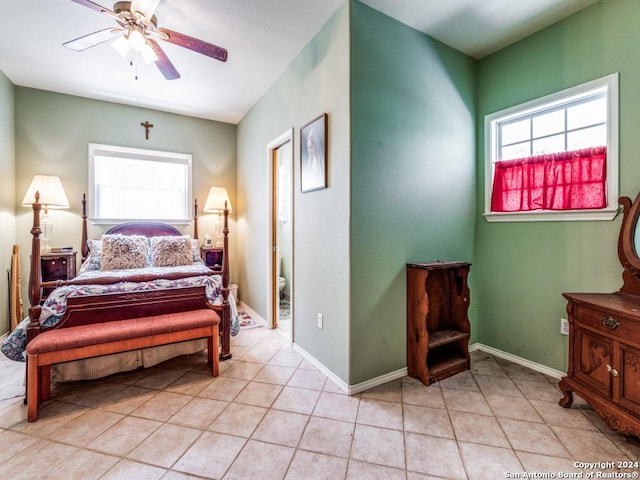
[(57, 266), (212, 257)]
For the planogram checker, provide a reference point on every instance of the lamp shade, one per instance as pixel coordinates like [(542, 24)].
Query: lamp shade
[(51, 192), (216, 199)]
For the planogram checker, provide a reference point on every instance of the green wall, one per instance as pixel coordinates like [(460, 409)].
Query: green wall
[(51, 137), (401, 132), (316, 82), (524, 267), (7, 193), (412, 176)]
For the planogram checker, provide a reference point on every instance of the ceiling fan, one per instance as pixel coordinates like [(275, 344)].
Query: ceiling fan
[(137, 31)]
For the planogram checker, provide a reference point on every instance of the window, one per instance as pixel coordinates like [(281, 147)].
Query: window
[(556, 157), (135, 184)]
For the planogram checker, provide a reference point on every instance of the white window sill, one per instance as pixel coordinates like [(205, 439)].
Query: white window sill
[(552, 216), (118, 221)]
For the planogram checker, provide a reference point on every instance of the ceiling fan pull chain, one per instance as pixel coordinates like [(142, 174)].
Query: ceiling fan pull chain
[(133, 65)]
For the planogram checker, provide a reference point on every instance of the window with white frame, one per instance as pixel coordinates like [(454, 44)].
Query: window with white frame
[(135, 184), (556, 157)]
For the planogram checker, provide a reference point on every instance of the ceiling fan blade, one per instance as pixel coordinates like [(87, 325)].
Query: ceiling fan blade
[(96, 7), (163, 63), (91, 5), (199, 46), (93, 39), (145, 7)]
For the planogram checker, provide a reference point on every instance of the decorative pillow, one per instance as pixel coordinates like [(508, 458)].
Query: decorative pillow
[(170, 251), (195, 248), (123, 252), (92, 262)]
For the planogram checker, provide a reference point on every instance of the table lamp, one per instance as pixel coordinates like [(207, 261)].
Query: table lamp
[(217, 201), (51, 196)]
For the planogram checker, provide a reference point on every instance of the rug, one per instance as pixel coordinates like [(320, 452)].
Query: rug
[(285, 310), (13, 375), (247, 321)]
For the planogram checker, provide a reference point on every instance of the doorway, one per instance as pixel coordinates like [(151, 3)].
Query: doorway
[(281, 237)]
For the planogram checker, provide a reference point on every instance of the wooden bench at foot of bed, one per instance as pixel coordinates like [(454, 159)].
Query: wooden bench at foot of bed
[(80, 341)]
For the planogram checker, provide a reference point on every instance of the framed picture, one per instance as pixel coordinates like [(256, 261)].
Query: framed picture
[(313, 154)]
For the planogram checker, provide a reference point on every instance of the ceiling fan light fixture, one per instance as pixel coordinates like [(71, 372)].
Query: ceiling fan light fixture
[(148, 55), (136, 39), (121, 45)]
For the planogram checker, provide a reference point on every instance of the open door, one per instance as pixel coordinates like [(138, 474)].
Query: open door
[(281, 238)]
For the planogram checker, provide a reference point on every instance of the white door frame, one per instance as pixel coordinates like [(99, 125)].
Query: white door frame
[(273, 291)]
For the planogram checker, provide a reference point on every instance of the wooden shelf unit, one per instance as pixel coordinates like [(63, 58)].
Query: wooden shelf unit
[(437, 320)]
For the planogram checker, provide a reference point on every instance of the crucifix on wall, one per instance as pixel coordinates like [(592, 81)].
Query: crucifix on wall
[(146, 126)]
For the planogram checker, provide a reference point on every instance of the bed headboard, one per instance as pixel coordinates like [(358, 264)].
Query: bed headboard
[(146, 229)]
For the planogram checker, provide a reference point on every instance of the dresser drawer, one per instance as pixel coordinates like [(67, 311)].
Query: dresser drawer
[(608, 323)]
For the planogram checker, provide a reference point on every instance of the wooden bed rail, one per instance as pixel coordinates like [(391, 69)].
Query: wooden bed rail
[(138, 278)]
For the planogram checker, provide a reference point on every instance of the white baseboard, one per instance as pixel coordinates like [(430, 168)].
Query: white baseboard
[(382, 379), (328, 373), (387, 377), (519, 360), (374, 382), (251, 312), (349, 389)]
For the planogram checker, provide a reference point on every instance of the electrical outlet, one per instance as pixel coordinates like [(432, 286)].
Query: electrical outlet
[(564, 326), (320, 320)]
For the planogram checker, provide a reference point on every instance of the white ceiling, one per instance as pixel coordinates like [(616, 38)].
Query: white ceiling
[(262, 37)]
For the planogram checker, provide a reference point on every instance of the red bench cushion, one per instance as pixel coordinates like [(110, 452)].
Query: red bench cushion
[(98, 333)]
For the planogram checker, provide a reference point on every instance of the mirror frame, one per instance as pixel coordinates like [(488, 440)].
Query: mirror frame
[(626, 245)]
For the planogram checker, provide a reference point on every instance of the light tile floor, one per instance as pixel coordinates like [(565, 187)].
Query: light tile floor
[(271, 415)]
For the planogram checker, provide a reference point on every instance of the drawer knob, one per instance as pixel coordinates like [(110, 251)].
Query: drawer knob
[(610, 323), (612, 371)]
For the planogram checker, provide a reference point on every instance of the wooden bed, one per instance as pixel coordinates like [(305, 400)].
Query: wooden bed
[(137, 304)]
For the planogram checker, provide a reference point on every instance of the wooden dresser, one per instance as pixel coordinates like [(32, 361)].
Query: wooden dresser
[(437, 320), (604, 361), (604, 340)]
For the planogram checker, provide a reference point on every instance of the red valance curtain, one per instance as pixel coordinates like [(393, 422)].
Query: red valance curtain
[(573, 180)]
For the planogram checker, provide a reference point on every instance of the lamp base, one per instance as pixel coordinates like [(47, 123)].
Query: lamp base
[(218, 243), (47, 227)]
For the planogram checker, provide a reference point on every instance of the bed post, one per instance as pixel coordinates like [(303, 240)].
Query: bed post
[(35, 273), (225, 321), (195, 218), (225, 257), (84, 248)]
